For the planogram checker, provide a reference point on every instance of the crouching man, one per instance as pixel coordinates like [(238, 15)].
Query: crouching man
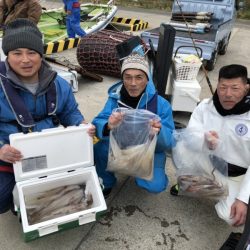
[(135, 91), (32, 98), (226, 117)]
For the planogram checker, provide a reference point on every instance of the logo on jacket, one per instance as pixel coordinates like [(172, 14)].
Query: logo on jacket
[(241, 129)]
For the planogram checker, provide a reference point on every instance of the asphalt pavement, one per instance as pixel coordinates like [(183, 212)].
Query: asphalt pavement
[(136, 219)]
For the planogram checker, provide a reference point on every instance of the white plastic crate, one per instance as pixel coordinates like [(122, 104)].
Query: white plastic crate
[(71, 78), (69, 75), (54, 158)]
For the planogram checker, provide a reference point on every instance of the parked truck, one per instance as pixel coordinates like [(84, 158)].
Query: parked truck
[(213, 40)]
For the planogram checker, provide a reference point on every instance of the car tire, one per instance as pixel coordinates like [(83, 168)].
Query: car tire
[(223, 48), (211, 63)]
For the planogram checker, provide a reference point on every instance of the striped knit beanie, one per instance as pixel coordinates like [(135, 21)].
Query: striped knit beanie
[(136, 61)]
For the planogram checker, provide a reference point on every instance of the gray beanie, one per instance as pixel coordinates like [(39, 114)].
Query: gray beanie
[(136, 61), (22, 33)]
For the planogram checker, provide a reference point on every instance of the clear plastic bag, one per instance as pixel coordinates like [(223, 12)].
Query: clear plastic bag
[(200, 172), (132, 144)]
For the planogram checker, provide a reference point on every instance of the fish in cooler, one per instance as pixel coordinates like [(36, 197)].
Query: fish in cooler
[(57, 202)]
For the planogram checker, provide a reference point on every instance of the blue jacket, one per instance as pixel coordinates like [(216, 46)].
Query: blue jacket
[(66, 107), (164, 111)]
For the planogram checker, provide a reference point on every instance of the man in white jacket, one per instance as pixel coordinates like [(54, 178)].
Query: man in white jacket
[(226, 118)]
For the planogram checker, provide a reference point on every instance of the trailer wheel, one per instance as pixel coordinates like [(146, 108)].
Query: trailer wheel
[(211, 63), (223, 48)]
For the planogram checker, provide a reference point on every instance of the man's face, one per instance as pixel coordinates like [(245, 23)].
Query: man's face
[(25, 63), (231, 91), (135, 81)]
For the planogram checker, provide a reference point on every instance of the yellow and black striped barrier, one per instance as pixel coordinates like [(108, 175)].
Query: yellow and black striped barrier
[(68, 43), (60, 45), (132, 23)]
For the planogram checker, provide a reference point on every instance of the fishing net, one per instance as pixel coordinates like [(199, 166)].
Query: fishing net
[(200, 172), (97, 52), (132, 144)]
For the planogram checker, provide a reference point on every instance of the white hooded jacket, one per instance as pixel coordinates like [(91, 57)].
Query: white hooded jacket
[(234, 133)]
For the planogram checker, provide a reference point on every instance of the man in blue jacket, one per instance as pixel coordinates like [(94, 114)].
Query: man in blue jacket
[(135, 91), (32, 97), (73, 19)]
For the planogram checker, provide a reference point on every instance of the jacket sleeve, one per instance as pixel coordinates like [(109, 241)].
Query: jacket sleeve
[(102, 118), (68, 111), (34, 11), (2, 7), (196, 121), (244, 192), (196, 128), (165, 137)]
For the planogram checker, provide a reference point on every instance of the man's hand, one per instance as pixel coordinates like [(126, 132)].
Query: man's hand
[(238, 212), (211, 139), (91, 130), (10, 154), (114, 120), (69, 12), (156, 126)]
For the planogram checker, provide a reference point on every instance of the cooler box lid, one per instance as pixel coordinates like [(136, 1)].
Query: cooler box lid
[(52, 151)]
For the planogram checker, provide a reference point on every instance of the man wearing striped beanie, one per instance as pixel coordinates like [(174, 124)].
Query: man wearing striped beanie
[(135, 91)]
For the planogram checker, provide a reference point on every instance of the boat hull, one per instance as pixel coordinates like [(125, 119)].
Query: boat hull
[(52, 25)]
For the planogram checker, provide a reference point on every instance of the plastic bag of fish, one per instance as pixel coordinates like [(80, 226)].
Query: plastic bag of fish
[(200, 172), (132, 144), (57, 202)]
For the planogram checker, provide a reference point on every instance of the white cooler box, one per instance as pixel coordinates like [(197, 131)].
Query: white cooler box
[(185, 95), (55, 158)]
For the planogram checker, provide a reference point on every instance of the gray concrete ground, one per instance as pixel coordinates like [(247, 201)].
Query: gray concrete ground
[(137, 219)]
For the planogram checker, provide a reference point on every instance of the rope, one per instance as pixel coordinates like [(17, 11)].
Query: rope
[(115, 39)]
